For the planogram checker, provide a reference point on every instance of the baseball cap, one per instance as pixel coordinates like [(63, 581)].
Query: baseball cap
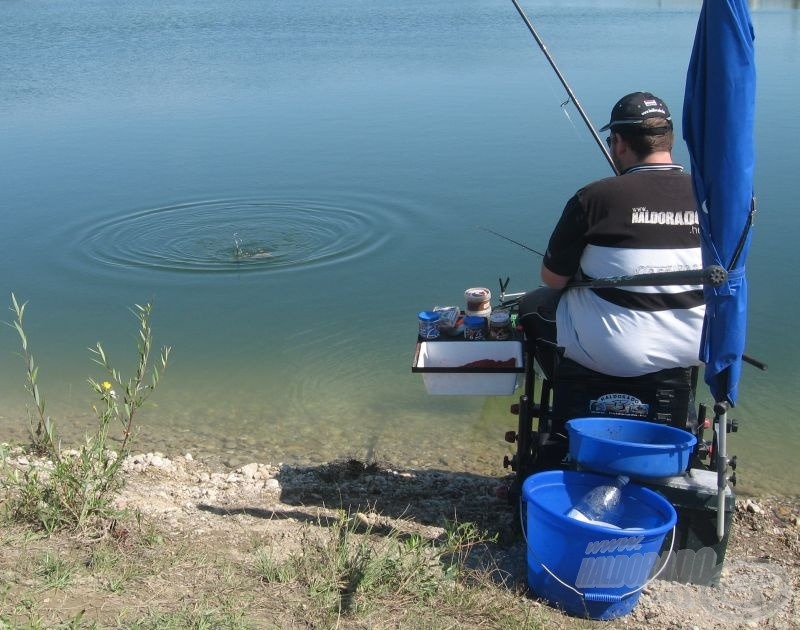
[(633, 109)]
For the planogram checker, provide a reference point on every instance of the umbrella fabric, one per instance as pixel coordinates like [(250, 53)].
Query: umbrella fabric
[(718, 114)]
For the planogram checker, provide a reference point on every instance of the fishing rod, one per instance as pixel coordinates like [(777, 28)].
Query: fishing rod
[(570, 93), (510, 240), (713, 275)]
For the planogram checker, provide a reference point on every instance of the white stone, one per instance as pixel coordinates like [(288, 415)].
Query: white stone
[(753, 507), (249, 471), (272, 484)]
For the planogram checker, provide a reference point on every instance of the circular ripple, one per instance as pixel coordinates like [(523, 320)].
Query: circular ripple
[(234, 236)]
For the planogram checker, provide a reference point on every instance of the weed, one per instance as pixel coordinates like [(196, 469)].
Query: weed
[(272, 570), (75, 488), (203, 615), (55, 572), (349, 570)]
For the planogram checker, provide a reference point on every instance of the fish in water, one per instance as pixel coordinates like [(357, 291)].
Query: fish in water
[(239, 253)]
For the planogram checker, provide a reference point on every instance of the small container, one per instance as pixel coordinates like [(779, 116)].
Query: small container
[(474, 326), (500, 325), (478, 301), (429, 324), (448, 316)]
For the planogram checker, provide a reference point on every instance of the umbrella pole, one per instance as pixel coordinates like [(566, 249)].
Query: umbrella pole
[(721, 413)]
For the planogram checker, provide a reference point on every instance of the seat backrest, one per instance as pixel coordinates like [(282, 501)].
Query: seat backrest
[(666, 396)]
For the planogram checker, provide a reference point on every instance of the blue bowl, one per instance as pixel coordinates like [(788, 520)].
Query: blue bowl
[(630, 447)]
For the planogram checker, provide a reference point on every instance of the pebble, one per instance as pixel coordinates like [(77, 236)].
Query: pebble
[(753, 507), (249, 471)]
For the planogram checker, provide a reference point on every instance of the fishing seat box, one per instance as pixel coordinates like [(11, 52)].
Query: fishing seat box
[(698, 554), (666, 396)]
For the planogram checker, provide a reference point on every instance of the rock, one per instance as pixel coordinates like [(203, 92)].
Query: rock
[(363, 519), (753, 507), (249, 471)]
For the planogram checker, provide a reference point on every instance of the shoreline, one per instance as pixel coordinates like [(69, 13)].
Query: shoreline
[(761, 572), (217, 511)]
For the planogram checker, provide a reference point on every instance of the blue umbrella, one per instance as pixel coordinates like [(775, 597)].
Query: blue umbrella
[(718, 114)]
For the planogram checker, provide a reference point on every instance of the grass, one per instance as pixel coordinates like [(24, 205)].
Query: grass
[(344, 573)]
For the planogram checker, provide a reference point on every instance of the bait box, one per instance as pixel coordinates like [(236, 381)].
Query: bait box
[(450, 367)]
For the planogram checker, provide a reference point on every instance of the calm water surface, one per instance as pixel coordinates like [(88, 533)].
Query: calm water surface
[(347, 151)]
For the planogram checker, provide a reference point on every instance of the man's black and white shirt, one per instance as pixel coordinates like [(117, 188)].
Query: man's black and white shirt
[(642, 221)]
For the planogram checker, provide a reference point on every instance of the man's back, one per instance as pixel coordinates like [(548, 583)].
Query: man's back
[(641, 222)]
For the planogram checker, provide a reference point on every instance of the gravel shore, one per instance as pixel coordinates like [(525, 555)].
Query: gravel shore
[(758, 587)]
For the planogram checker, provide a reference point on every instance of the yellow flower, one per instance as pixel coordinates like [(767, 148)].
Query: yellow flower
[(106, 385)]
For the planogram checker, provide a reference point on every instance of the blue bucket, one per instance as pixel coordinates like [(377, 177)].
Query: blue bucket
[(630, 447), (586, 569)]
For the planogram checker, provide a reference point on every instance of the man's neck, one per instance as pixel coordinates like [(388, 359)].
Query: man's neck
[(659, 157), (628, 160)]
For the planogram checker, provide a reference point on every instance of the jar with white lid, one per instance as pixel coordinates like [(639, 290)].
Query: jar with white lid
[(500, 325)]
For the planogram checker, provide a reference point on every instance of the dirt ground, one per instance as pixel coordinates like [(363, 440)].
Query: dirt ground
[(758, 586), (221, 511)]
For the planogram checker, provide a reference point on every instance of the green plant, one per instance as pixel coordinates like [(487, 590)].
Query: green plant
[(43, 434), (72, 489), (460, 539), (350, 570), (272, 570), (55, 572)]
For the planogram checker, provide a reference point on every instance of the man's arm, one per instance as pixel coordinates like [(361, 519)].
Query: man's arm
[(566, 245), (554, 280)]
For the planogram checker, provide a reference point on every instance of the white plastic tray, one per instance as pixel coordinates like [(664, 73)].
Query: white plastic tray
[(455, 367)]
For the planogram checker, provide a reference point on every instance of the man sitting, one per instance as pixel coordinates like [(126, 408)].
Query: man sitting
[(644, 220)]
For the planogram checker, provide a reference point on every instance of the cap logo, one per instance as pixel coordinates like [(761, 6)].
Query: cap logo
[(650, 103)]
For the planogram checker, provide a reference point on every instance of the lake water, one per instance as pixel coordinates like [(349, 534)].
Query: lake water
[(351, 149)]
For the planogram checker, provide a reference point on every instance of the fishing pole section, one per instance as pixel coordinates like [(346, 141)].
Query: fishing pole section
[(570, 93), (713, 275)]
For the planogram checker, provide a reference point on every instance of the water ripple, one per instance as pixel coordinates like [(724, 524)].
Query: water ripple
[(235, 236)]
